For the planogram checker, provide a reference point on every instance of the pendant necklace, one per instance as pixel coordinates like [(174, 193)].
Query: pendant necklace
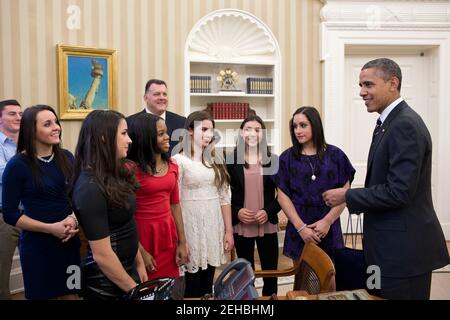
[(47, 160), (313, 167), (161, 169)]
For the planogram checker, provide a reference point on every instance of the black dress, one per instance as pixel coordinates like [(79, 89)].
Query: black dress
[(98, 222)]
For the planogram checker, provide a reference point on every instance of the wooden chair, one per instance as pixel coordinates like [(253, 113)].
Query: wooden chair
[(314, 271)]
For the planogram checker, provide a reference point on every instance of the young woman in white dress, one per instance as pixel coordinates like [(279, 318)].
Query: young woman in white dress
[(205, 203)]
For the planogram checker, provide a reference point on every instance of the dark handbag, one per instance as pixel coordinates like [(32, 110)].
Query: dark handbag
[(349, 262)]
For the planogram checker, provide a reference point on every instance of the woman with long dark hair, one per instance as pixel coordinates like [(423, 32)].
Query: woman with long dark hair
[(158, 212), (205, 203), (254, 204), (37, 177), (307, 169), (104, 201)]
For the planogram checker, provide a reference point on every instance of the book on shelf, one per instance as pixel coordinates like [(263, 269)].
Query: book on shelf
[(259, 85), (228, 110), (200, 84)]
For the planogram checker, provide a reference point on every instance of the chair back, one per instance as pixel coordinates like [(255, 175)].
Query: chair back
[(315, 273)]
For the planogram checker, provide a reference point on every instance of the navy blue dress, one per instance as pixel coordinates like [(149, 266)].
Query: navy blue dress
[(44, 258), (294, 179)]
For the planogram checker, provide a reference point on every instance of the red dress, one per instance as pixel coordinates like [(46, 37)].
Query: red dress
[(156, 226)]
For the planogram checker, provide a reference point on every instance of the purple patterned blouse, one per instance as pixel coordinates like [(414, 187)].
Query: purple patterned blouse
[(295, 179)]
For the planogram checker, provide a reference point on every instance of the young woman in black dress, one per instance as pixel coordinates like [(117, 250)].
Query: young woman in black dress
[(104, 200)]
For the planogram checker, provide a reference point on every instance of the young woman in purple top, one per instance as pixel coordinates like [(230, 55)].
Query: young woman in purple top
[(308, 169)]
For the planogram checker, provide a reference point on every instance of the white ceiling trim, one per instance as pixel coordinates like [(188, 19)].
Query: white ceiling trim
[(387, 15)]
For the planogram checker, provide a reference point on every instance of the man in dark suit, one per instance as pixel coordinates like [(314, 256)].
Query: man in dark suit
[(402, 234), (156, 101)]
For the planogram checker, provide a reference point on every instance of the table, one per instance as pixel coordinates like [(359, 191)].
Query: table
[(303, 295)]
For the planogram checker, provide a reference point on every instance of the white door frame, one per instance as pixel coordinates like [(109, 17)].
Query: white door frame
[(388, 23)]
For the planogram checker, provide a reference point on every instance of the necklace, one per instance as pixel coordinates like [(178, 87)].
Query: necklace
[(313, 168), (47, 160), (161, 169)]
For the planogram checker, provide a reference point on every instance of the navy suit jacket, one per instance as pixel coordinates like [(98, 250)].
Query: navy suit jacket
[(173, 122), (402, 234)]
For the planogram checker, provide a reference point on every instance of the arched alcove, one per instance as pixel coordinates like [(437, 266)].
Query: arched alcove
[(235, 39)]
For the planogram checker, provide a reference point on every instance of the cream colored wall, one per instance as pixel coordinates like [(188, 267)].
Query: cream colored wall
[(150, 38)]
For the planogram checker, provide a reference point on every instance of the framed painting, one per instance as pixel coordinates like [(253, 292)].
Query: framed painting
[(87, 80)]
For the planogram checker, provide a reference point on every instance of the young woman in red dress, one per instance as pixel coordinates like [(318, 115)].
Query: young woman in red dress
[(158, 212)]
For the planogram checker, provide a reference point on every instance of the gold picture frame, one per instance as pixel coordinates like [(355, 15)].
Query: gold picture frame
[(87, 80)]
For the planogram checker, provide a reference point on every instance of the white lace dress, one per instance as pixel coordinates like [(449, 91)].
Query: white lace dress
[(202, 215)]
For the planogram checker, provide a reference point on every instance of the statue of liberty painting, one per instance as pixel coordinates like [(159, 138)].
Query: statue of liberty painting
[(85, 83)]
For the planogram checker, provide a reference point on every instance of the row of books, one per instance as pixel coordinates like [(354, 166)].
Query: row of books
[(260, 85), (228, 110), (200, 84)]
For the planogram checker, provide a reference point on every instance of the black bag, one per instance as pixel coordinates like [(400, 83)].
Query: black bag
[(349, 262)]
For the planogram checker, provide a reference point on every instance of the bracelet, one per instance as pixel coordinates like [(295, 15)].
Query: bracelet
[(72, 215), (301, 228)]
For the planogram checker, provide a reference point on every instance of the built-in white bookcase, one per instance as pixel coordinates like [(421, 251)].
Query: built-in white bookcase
[(237, 40)]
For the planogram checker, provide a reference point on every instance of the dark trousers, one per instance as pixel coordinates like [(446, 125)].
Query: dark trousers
[(200, 283), (268, 254), (413, 288)]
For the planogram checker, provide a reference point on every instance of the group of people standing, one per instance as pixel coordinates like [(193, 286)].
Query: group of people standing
[(147, 214)]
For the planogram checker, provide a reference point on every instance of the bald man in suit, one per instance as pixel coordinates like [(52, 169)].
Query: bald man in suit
[(402, 234)]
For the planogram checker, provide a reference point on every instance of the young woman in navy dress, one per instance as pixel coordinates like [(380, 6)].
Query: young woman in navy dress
[(37, 177)]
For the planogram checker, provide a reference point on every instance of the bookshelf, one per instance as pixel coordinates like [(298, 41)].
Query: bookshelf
[(239, 41)]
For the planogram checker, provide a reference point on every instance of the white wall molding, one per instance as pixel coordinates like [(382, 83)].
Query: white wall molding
[(387, 15)]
